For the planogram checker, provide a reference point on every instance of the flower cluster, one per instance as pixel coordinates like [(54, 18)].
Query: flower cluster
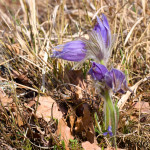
[(113, 79), (98, 47)]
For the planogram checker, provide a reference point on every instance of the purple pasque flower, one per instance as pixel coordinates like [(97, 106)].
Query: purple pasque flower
[(100, 43), (116, 80), (102, 28), (72, 51), (109, 131), (98, 47), (97, 71)]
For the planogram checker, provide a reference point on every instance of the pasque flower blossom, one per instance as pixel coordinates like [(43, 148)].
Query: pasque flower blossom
[(102, 28), (98, 71), (114, 79), (72, 51), (97, 47)]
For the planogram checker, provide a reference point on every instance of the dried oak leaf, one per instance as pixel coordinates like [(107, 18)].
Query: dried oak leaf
[(85, 124), (79, 125), (72, 118), (88, 146), (21, 78), (143, 107), (64, 132), (74, 76), (48, 108), (30, 104), (19, 120), (88, 123), (8, 102), (4, 99)]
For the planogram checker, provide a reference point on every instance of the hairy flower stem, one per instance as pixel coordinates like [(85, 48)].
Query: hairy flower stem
[(106, 108), (111, 110), (106, 114)]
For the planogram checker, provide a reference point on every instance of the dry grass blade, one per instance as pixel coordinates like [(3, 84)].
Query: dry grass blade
[(23, 44), (125, 97), (18, 85), (34, 24), (6, 19), (130, 32)]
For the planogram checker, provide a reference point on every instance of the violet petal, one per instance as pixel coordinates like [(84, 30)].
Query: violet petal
[(97, 71), (72, 51), (116, 80), (110, 133), (105, 133), (108, 79), (105, 22), (102, 27), (109, 129)]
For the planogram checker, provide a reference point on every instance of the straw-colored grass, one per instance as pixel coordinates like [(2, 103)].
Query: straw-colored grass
[(29, 30)]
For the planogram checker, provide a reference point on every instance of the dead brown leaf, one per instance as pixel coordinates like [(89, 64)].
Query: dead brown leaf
[(21, 77), (72, 118), (125, 97), (8, 102), (143, 107), (88, 123), (64, 132), (5, 100), (134, 118), (48, 108), (30, 104), (85, 124), (79, 125), (74, 76), (88, 146), (2, 93), (19, 120)]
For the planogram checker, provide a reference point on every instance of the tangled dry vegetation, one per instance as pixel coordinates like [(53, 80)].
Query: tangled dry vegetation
[(46, 105)]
